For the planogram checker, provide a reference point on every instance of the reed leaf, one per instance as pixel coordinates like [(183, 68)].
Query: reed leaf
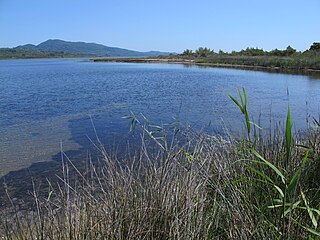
[(273, 167), (288, 137)]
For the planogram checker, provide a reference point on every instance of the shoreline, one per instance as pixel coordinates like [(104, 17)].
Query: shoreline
[(190, 62), (193, 62)]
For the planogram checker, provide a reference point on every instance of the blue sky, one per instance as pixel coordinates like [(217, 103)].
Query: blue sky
[(165, 25)]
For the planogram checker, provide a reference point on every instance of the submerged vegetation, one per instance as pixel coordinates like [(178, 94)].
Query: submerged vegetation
[(195, 186)]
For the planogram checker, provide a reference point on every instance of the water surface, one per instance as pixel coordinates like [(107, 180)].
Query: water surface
[(49, 103)]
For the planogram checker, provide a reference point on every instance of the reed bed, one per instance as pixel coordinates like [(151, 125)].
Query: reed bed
[(193, 186)]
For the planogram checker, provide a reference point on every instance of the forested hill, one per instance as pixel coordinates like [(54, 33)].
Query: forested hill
[(60, 48)]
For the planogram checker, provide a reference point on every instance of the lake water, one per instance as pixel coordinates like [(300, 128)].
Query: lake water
[(46, 102)]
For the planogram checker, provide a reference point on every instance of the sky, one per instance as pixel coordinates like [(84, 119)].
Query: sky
[(166, 25)]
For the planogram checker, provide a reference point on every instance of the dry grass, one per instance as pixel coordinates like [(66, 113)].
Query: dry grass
[(201, 187)]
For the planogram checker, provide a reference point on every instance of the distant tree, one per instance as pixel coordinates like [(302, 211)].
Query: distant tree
[(221, 52), (277, 52), (315, 47), (204, 52), (187, 52), (234, 52), (253, 52), (289, 51), (281, 53)]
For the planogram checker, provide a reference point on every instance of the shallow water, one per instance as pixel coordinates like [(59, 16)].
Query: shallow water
[(49, 103)]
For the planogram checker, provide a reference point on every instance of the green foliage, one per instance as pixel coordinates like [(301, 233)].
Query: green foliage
[(289, 58), (282, 53), (242, 104), (315, 47), (288, 196), (290, 51), (250, 52), (9, 53), (288, 138), (204, 52), (187, 52)]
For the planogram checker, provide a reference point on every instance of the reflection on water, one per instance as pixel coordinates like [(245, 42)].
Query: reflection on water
[(45, 102)]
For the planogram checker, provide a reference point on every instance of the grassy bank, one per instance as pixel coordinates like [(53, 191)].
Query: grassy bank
[(195, 186), (300, 63)]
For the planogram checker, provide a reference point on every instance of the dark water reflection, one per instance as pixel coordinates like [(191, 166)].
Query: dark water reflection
[(46, 102)]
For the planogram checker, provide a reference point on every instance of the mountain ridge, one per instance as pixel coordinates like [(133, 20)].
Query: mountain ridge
[(84, 48)]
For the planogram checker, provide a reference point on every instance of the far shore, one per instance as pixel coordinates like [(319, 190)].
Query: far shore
[(184, 61), (194, 62)]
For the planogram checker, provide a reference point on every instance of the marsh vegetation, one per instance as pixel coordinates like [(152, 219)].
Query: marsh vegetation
[(182, 184), (289, 58)]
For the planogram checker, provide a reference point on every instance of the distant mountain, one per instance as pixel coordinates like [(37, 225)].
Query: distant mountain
[(89, 49), (27, 46)]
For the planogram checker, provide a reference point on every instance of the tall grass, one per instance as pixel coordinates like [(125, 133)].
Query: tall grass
[(195, 186)]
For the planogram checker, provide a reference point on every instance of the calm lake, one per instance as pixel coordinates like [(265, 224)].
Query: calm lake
[(46, 103)]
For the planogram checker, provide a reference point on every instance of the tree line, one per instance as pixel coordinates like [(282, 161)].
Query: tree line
[(289, 51)]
